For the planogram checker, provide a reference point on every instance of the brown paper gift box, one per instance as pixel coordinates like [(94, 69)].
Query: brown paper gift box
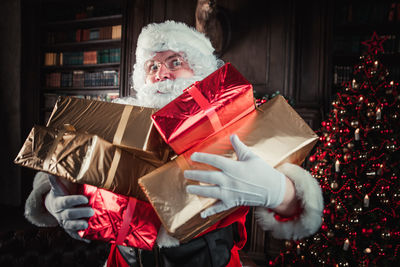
[(83, 158), (274, 131), (129, 127)]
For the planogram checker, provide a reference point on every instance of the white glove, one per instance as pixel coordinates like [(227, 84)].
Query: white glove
[(249, 181), (63, 207)]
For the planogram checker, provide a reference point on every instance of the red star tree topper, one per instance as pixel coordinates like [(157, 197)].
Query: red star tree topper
[(375, 44)]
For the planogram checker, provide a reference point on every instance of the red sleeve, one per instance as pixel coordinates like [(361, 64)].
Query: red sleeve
[(287, 219)]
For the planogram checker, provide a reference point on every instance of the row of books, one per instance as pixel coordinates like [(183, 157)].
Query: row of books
[(368, 12), (343, 74), (112, 55), (82, 35), (80, 79), (345, 44)]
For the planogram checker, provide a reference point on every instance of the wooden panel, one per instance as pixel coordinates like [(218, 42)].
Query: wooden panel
[(312, 76), (256, 240), (158, 10), (247, 50), (10, 95), (137, 16), (312, 116), (181, 10), (262, 45), (281, 54), (30, 80)]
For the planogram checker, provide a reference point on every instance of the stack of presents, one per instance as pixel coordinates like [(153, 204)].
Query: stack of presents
[(131, 159)]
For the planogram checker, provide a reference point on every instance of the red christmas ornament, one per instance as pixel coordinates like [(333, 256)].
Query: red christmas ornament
[(375, 44)]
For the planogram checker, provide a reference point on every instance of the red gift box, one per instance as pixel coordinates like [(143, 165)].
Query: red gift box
[(205, 108), (120, 219)]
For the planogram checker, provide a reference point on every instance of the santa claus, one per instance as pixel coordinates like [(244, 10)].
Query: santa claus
[(170, 56)]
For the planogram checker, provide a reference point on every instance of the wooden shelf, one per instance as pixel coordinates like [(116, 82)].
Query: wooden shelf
[(102, 66), (79, 46), (85, 23), (79, 89)]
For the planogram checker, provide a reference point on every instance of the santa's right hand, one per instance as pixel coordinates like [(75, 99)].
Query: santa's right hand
[(64, 208)]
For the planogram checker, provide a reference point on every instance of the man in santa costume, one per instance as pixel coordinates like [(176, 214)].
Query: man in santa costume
[(170, 56)]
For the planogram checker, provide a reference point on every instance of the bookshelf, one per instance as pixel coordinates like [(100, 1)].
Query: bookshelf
[(355, 21), (81, 51)]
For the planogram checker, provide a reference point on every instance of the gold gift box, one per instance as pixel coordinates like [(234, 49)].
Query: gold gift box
[(129, 127), (274, 131), (83, 158)]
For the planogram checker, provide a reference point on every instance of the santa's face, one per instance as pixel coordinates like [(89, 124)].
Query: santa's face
[(167, 65), (167, 75)]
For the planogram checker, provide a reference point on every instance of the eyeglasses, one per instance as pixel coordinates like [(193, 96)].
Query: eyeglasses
[(173, 63)]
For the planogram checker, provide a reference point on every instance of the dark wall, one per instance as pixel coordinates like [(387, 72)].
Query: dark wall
[(10, 93)]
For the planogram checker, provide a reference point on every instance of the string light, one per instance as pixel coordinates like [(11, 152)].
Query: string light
[(337, 166), (366, 201), (357, 134), (378, 114), (346, 244)]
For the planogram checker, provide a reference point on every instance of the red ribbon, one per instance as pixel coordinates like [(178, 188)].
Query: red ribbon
[(123, 231), (206, 107)]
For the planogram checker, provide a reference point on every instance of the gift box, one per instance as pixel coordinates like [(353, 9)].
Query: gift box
[(84, 158), (274, 131), (120, 219), (129, 127), (205, 108)]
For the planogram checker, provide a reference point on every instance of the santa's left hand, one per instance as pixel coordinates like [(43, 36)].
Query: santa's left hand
[(247, 181)]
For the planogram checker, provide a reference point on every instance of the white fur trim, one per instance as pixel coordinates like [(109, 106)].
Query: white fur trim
[(35, 211), (309, 221), (164, 240), (128, 100), (178, 37)]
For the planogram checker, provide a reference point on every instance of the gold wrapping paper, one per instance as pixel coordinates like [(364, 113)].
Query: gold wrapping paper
[(274, 131), (129, 127), (85, 159)]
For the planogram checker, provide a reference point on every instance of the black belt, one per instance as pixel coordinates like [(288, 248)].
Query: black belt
[(210, 250)]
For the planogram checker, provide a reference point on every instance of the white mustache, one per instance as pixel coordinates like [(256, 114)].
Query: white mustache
[(161, 93)]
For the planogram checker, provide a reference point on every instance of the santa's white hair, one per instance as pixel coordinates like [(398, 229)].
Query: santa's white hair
[(177, 37)]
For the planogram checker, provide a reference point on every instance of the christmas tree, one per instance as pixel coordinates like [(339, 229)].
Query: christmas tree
[(357, 163)]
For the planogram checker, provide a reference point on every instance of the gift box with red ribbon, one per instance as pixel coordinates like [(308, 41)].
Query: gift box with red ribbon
[(205, 108), (120, 219), (274, 131)]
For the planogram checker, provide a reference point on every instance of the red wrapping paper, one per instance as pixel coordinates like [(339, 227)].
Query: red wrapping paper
[(112, 222), (205, 108)]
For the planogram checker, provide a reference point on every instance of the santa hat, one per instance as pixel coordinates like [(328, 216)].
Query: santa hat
[(178, 37)]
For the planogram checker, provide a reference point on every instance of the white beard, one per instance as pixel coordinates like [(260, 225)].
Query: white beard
[(157, 95)]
